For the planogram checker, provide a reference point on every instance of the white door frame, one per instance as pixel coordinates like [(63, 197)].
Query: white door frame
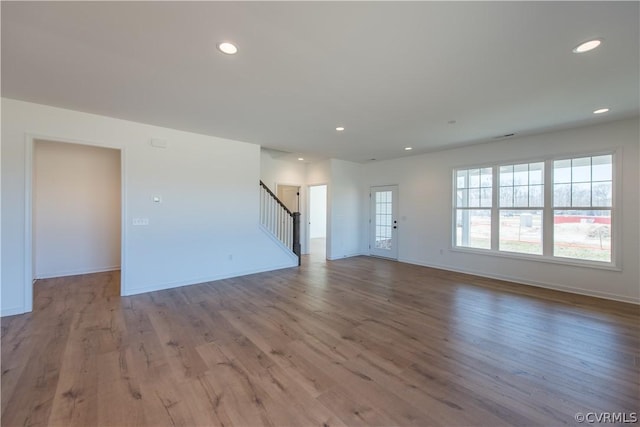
[(29, 253), (393, 252)]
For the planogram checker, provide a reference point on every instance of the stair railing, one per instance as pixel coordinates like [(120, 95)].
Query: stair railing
[(279, 220)]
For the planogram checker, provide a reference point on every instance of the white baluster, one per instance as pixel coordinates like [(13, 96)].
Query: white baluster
[(280, 223), (270, 218), (265, 207), (265, 213), (261, 205), (273, 216)]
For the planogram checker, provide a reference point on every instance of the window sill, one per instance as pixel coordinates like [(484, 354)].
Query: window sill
[(568, 262)]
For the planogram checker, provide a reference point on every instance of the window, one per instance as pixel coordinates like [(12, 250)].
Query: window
[(473, 207), (521, 208), (582, 200), (509, 208)]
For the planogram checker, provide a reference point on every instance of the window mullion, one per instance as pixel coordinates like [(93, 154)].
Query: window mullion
[(547, 211), (495, 213)]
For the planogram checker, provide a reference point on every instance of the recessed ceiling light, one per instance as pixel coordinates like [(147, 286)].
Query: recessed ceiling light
[(587, 46), (300, 158), (340, 128), (228, 48), (601, 110), (408, 148)]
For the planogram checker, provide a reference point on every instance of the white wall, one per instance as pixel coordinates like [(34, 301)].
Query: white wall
[(318, 211), (76, 209), (425, 191), (345, 209), (275, 171), (206, 227), (319, 173)]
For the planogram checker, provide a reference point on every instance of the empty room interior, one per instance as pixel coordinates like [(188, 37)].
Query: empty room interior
[(320, 213)]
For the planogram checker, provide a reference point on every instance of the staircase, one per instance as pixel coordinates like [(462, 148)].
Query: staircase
[(280, 221)]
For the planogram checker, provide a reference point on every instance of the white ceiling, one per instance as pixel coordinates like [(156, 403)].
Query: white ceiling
[(393, 73)]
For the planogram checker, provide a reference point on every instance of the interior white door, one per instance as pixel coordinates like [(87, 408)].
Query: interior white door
[(383, 220)]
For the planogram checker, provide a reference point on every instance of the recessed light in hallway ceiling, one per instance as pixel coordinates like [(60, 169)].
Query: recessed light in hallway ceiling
[(227, 48), (587, 46)]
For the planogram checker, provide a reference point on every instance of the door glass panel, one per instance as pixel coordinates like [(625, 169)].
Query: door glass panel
[(384, 220)]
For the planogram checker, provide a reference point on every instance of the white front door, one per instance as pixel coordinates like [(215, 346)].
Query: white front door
[(383, 230)]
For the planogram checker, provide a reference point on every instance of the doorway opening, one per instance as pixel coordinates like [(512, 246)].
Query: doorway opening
[(74, 216), (318, 222)]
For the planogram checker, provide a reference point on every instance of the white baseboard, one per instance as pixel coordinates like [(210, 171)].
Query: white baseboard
[(201, 280), (344, 256), (517, 280), (53, 275), (12, 311)]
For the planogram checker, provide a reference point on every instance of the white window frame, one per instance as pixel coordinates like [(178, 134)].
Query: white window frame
[(548, 212), (520, 208), (490, 209)]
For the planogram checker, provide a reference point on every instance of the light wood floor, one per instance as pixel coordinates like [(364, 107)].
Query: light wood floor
[(360, 341)]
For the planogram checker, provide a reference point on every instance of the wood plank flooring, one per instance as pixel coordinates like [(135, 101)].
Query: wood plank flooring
[(360, 341)]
